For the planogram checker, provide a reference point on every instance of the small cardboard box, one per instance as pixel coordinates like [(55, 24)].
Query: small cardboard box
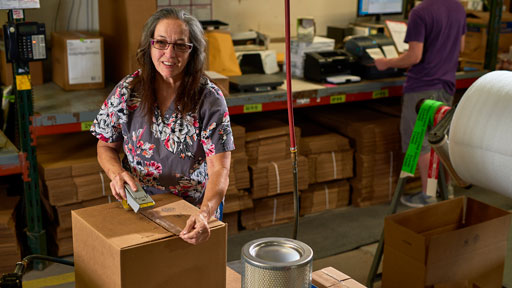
[(118, 248), (77, 60), (332, 278), (457, 240)]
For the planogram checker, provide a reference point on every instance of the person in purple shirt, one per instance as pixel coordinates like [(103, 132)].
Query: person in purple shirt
[(435, 34)]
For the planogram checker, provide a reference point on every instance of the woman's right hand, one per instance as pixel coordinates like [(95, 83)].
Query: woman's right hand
[(117, 184)]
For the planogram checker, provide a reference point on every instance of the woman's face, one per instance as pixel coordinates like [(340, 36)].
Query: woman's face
[(170, 62)]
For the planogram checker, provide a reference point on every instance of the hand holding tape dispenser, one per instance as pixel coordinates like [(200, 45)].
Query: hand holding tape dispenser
[(136, 200)]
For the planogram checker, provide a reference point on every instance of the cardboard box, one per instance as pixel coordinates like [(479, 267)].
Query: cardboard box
[(331, 278), (476, 36), (118, 248), (77, 60), (121, 23), (461, 239)]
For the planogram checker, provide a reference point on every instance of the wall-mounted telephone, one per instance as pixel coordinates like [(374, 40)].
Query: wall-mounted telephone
[(25, 41)]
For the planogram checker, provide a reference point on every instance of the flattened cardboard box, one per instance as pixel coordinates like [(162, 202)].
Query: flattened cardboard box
[(118, 248), (451, 241), (331, 278)]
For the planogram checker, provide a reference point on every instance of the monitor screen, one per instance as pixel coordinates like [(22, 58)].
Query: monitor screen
[(379, 7)]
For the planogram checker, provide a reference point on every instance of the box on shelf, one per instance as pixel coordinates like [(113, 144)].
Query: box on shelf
[(456, 240), (120, 24), (118, 248), (77, 60)]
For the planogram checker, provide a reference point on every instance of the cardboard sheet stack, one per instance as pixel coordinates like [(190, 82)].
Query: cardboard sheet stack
[(72, 179), (237, 196), (9, 248), (267, 146), (330, 160), (376, 139)]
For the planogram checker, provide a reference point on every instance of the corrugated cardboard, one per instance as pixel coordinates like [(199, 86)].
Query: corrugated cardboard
[(322, 196), (476, 36), (121, 23), (118, 248), (331, 278), (61, 61), (330, 166), (456, 240)]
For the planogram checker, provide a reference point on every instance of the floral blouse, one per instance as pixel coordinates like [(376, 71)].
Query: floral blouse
[(170, 155)]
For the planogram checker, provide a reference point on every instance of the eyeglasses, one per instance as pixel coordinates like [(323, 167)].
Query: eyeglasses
[(164, 45)]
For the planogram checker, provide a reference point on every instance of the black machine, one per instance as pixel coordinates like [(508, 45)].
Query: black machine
[(14, 280), (25, 41), (323, 66), (255, 82), (362, 47)]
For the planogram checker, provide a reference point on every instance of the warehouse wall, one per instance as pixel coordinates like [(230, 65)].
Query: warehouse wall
[(267, 16)]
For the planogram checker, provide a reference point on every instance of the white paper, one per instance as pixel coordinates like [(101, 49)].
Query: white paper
[(19, 4), (389, 51), (84, 61), (397, 31), (481, 133), (375, 53)]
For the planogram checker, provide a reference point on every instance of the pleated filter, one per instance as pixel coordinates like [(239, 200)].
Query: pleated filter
[(276, 262)]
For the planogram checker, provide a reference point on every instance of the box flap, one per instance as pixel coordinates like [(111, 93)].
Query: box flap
[(402, 239), (124, 228)]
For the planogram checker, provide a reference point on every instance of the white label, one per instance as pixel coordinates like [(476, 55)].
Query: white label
[(19, 4), (389, 51), (375, 53), (84, 61)]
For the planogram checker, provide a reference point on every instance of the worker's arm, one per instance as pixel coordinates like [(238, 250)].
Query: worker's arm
[(108, 157), (409, 58), (462, 43), (197, 230)]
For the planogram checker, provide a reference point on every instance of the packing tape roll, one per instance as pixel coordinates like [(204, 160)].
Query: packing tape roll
[(481, 133)]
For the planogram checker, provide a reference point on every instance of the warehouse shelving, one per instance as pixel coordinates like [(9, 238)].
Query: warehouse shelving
[(58, 111)]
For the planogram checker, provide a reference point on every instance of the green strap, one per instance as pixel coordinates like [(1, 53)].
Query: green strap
[(425, 118)]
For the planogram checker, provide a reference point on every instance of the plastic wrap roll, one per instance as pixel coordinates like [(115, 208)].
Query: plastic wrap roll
[(480, 138)]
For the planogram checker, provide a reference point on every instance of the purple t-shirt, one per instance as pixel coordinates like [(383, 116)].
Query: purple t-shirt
[(439, 25), (170, 154)]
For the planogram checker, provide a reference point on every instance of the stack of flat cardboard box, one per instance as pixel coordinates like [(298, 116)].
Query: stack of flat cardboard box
[(267, 146), (72, 179), (330, 160), (9, 249), (376, 138), (237, 197)]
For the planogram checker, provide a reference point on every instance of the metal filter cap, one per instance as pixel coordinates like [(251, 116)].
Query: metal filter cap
[(277, 253)]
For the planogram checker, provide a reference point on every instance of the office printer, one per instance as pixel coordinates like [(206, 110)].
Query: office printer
[(368, 48), (329, 66)]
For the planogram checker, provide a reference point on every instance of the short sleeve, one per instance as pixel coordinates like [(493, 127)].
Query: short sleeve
[(108, 123), (216, 134), (415, 28)]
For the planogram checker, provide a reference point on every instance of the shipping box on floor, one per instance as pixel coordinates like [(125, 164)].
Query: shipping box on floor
[(331, 278), (118, 248), (461, 239), (77, 60)]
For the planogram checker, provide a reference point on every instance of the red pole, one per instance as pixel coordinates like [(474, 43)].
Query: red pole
[(289, 100)]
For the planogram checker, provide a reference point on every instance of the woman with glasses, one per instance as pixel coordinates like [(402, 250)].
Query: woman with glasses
[(171, 122)]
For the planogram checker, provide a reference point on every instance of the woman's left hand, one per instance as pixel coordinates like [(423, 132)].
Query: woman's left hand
[(196, 231)]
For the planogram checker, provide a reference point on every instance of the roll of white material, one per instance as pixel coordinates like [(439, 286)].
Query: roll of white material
[(480, 139)]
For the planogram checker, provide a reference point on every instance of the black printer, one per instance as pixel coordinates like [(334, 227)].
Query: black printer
[(362, 47), (318, 66)]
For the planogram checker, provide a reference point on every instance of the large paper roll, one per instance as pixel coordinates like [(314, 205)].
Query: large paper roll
[(480, 138)]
